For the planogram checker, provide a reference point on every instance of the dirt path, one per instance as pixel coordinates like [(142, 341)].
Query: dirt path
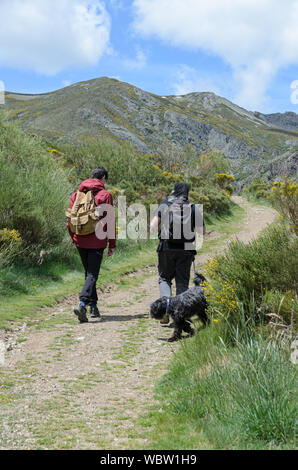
[(85, 386)]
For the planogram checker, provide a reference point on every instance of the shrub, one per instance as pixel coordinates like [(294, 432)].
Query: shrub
[(218, 201), (220, 294), (34, 192), (224, 180), (126, 167), (209, 165), (268, 263), (284, 197), (10, 242), (257, 189), (283, 304)]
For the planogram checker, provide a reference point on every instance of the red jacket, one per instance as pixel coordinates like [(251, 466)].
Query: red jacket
[(101, 196)]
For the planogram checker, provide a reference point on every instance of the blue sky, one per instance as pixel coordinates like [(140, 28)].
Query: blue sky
[(244, 50)]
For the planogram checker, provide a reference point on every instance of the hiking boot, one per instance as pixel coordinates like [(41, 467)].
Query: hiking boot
[(94, 312), (165, 319), (80, 312)]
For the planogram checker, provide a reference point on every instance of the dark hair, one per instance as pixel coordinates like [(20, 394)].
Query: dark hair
[(99, 172), (181, 189)]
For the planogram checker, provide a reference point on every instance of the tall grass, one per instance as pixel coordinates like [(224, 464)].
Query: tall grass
[(260, 384), (243, 397)]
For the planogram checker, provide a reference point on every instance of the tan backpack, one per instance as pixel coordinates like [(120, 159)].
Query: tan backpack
[(82, 216)]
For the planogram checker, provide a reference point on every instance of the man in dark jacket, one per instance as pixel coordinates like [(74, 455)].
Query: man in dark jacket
[(91, 247), (175, 255)]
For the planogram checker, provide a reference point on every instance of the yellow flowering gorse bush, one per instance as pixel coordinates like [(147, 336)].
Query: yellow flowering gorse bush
[(220, 295), (284, 197), (8, 236), (10, 242)]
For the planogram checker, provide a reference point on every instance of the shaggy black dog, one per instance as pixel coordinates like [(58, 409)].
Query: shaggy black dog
[(182, 308)]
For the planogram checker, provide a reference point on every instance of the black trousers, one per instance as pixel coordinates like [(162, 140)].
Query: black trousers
[(174, 264), (91, 260)]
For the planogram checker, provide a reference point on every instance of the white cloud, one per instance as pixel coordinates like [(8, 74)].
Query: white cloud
[(138, 62), (255, 37), (188, 80), (117, 4), (51, 35), (294, 94)]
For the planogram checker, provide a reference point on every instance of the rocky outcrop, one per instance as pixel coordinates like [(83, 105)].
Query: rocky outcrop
[(288, 120), (283, 166)]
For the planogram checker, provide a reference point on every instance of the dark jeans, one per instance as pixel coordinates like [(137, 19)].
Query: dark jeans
[(91, 260), (174, 265)]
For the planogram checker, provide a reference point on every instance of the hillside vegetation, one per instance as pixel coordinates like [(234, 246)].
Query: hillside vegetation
[(37, 181), (256, 144)]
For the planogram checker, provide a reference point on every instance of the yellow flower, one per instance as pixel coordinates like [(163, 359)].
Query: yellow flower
[(7, 235)]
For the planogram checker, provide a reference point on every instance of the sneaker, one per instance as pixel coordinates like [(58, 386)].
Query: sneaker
[(165, 319), (94, 312), (81, 311)]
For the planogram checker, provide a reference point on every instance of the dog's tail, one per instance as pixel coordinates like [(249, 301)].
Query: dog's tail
[(199, 279)]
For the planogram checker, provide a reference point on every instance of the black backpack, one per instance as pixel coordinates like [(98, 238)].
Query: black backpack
[(180, 220)]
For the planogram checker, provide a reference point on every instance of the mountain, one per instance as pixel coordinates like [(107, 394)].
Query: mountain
[(256, 144), (287, 120)]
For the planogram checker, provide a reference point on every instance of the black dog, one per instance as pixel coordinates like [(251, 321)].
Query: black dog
[(182, 308)]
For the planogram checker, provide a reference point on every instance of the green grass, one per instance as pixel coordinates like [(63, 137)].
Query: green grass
[(226, 223), (225, 398), (225, 226)]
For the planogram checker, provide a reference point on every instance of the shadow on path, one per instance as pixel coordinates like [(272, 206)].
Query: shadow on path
[(110, 318)]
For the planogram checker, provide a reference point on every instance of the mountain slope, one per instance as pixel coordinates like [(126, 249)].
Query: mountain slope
[(288, 121), (108, 108)]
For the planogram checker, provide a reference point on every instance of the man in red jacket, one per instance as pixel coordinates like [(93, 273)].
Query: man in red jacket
[(91, 247)]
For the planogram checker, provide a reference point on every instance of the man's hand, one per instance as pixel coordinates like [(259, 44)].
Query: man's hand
[(111, 251)]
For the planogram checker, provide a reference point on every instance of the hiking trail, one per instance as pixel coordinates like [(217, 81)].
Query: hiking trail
[(86, 386)]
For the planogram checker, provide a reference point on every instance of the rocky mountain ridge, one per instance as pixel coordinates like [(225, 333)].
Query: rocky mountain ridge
[(256, 144)]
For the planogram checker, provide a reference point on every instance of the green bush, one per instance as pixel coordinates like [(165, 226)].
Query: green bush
[(283, 304), (284, 197), (10, 242), (218, 201), (126, 167), (34, 192), (268, 263), (37, 181), (257, 190), (146, 178)]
